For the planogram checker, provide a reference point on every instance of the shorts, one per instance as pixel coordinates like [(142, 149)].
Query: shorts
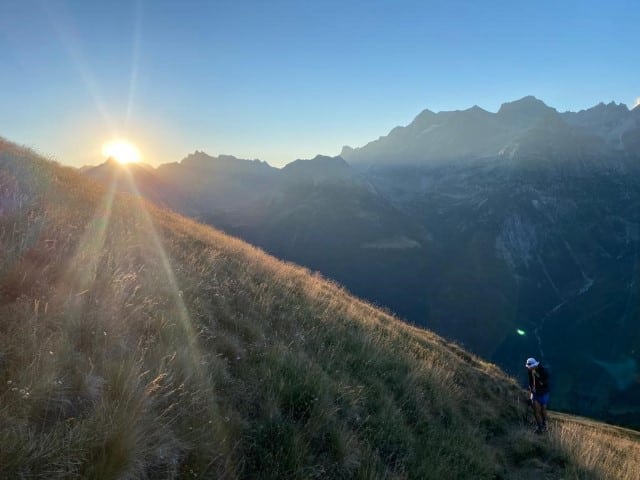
[(542, 398)]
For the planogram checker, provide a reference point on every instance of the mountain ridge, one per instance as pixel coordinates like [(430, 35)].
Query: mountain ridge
[(488, 134), (426, 118)]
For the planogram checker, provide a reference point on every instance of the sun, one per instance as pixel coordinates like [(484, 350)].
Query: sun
[(122, 151)]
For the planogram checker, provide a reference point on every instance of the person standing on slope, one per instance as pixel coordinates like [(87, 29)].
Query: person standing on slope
[(539, 388)]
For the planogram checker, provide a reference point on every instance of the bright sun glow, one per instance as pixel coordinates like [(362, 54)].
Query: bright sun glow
[(121, 151)]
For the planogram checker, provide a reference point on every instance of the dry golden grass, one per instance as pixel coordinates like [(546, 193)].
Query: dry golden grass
[(607, 451), (135, 343)]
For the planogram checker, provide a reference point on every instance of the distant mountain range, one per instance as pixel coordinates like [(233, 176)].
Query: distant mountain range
[(514, 233), (522, 131)]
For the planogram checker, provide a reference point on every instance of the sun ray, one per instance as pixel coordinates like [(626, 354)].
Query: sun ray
[(135, 59), (197, 361), (183, 314), (83, 266), (77, 59)]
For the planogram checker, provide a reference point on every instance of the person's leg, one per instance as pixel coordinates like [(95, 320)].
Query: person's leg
[(543, 415), (544, 400), (537, 412)]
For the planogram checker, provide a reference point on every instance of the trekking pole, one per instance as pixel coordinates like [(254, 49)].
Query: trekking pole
[(533, 408)]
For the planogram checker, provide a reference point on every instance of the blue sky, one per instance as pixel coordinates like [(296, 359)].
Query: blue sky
[(280, 80)]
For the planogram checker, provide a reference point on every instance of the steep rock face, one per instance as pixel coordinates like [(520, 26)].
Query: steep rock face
[(516, 242)]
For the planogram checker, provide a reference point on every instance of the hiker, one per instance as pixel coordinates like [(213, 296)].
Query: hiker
[(539, 388)]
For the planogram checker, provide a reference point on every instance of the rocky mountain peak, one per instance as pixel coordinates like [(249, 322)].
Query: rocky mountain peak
[(605, 110), (346, 151), (426, 117), (476, 109), (320, 167), (613, 106), (526, 111)]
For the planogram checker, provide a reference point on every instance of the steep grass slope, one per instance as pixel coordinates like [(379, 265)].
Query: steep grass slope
[(135, 343)]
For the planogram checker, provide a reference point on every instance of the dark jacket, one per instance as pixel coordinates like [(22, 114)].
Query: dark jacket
[(539, 380)]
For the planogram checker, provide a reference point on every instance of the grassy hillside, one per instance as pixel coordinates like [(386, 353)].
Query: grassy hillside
[(135, 343)]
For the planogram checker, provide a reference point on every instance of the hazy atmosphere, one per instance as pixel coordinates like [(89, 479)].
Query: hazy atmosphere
[(319, 240), (282, 80)]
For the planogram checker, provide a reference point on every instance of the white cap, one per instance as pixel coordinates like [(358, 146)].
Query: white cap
[(531, 363)]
